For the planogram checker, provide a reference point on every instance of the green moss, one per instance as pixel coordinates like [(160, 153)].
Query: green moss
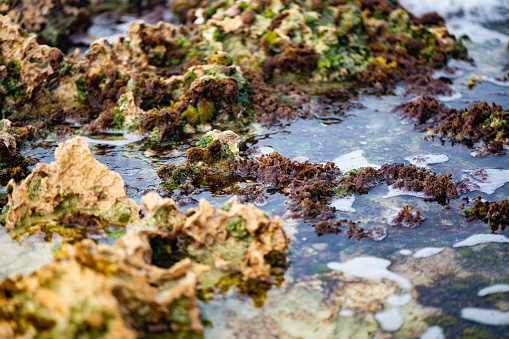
[(14, 87), (191, 115), (226, 206), (206, 111), (9, 189), (497, 120), (123, 218), (81, 85), (67, 67), (204, 141), (154, 134), (236, 226), (13, 66), (190, 77), (431, 320), (270, 39), (341, 190), (35, 189)]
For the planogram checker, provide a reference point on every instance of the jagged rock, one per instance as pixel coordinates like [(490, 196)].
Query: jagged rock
[(74, 181)]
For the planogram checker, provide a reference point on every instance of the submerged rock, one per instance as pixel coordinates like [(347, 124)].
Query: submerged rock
[(74, 182), (109, 292)]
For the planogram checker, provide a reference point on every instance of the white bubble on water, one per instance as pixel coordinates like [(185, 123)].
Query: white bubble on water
[(369, 268)]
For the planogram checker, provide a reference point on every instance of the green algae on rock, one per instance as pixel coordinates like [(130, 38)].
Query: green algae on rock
[(239, 238), (331, 40), (28, 70), (103, 292), (76, 181)]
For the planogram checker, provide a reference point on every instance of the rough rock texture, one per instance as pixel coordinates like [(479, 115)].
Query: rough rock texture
[(260, 238), (109, 292), (27, 69), (53, 20), (76, 180)]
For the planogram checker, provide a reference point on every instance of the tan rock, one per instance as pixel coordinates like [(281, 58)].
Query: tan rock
[(76, 177)]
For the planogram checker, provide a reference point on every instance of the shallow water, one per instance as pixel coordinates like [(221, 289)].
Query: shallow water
[(314, 301)]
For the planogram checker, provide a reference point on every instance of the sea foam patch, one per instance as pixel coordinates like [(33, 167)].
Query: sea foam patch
[(423, 160), (394, 192), (369, 268), (434, 332), (343, 204), (390, 320), (353, 160), (127, 139), (486, 316), (477, 239), (427, 252), (485, 180), (399, 300), (498, 288)]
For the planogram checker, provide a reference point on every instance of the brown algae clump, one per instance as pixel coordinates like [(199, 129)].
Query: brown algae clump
[(406, 217), (481, 122), (112, 292), (12, 164), (495, 214), (402, 177), (74, 181)]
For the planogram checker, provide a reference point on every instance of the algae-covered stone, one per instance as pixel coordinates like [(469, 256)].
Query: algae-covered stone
[(75, 181), (211, 160), (103, 292), (242, 238), (28, 70)]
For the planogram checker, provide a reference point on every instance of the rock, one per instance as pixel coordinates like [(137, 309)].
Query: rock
[(75, 181)]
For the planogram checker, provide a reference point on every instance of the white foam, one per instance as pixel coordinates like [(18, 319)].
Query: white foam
[(434, 332), (498, 288), (128, 138), (454, 96), (496, 82), (343, 204), (390, 320), (486, 316), (399, 300), (369, 268), (405, 252), (346, 313), (427, 252), (477, 239), (423, 160), (486, 180), (353, 160), (394, 192)]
